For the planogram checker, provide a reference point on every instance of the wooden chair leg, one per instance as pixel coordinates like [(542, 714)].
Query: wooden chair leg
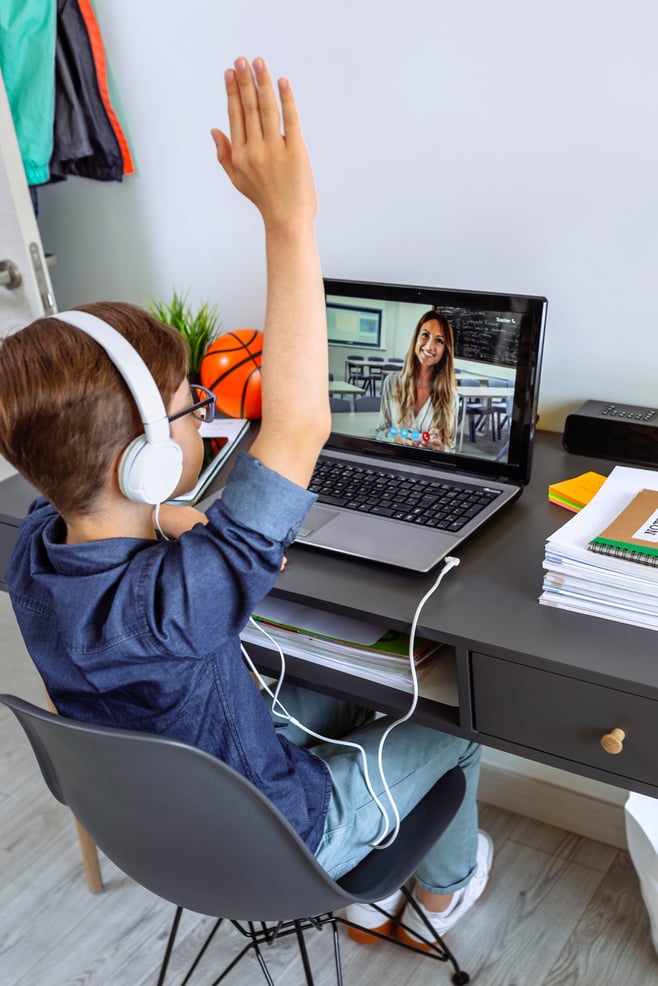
[(89, 859), (88, 847)]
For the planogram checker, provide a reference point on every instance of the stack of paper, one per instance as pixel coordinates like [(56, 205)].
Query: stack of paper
[(581, 580), (341, 643)]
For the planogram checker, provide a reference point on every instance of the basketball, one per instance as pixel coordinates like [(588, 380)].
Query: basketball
[(231, 369)]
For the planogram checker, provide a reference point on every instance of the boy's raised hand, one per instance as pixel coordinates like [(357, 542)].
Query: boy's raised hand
[(270, 167), (266, 159)]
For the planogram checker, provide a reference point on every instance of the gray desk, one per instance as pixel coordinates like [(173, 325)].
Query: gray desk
[(539, 682), (542, 683)]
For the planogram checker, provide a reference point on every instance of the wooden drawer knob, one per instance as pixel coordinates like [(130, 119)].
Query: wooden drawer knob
[(613, 742)]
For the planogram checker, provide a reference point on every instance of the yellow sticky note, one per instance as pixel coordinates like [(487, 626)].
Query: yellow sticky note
[(574, 493)]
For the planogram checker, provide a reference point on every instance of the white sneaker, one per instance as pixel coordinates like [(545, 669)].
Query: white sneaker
[(461, 902), (368, 917)]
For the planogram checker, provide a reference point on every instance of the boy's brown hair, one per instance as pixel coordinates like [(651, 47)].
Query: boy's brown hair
[(65, 410)]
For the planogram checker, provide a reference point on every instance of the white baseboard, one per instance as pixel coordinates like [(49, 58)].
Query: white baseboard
[(567, 809)]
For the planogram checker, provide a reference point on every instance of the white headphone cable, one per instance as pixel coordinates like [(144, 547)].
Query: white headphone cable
[(279, 709), (156, 521), (449, 563)]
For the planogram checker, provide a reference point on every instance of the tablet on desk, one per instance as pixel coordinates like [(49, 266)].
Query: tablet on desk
[(220, 439)]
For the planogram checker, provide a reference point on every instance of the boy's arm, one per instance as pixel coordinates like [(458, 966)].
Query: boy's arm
[(273, 170)]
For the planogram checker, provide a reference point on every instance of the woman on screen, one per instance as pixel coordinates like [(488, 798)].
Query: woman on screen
[(420, 404)]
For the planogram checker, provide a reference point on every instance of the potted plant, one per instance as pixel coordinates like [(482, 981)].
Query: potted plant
[(199, 328)]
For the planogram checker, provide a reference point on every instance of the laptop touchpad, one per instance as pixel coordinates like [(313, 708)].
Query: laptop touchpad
[(316, 518)]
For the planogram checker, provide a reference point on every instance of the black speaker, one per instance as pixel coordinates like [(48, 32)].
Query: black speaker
[(621, 432)]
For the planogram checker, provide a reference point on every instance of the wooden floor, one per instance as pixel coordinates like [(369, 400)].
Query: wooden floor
[(559, 910)]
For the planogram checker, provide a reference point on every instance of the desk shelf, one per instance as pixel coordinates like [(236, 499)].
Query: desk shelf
[(431, 711)]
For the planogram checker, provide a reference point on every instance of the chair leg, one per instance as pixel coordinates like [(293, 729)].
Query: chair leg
[(87, 845), (268, 935), (170, 945), (339, 967), (459, 977), (435, 947), (89, 859), (304, 953)]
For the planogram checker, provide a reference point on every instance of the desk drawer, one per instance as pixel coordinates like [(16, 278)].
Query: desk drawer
[(565, 717)]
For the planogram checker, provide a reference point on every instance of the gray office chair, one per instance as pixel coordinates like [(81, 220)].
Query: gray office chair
[(195, 832), (478, 410), (339, 404), (355, 369), (367, 404)]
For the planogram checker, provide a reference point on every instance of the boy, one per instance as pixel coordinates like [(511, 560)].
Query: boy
[(136, 631)]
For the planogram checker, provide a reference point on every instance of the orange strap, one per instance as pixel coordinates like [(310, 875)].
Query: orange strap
[(98, 54)]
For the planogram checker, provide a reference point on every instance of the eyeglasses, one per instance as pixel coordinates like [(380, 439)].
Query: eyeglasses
[(203, 408)]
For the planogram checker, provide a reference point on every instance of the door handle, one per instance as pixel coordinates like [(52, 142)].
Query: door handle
[(10, 276)]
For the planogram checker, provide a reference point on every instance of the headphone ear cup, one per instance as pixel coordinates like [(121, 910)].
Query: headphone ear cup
[(148, 472)]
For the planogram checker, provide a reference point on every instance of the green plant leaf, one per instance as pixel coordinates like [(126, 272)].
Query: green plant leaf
[(199, 328)]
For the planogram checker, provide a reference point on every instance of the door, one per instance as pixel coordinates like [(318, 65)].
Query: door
[(25, 288)]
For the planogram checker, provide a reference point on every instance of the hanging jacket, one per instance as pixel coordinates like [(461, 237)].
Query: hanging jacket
[(88, 139), (27, 61)]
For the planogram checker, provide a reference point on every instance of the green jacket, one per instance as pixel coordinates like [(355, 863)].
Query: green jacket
[(27, 63)]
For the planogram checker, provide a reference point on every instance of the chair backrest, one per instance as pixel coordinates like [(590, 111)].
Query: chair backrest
[(339, 404), (367, 404), (195, 832), (179, 821)]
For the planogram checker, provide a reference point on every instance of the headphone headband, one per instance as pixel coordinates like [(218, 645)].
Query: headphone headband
[(151, 466), (132, 368)]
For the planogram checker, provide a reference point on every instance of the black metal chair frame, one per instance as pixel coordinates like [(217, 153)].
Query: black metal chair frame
[(259, 934), (164, 811)]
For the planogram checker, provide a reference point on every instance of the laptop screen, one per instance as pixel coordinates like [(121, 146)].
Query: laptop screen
[(431, 374)]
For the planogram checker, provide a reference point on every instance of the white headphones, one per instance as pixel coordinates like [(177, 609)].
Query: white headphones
[(151, 466)]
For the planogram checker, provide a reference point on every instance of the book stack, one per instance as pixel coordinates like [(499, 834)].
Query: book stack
[(341, 643), (604, 560)]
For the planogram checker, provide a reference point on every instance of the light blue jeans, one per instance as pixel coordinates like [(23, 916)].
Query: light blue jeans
[(414, 758)]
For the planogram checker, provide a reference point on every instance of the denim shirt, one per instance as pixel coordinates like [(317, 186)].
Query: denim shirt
[(145, 634)]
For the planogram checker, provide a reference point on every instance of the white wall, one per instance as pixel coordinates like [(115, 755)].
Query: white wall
[(508, 146)]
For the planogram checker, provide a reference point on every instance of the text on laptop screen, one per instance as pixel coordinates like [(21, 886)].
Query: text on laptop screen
[(434, 371)]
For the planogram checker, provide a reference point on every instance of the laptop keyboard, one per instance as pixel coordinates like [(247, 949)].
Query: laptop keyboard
[(447, 506)]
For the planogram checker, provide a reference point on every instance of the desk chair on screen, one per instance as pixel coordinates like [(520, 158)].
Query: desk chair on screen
[(367, 404), (478, 409), (339, 404), (195, 832), (375, 374), (355, 369)]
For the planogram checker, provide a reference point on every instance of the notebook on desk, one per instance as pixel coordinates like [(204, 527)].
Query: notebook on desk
[(400, 493)]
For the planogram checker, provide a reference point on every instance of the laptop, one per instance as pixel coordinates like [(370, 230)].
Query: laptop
[(387, 492)]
